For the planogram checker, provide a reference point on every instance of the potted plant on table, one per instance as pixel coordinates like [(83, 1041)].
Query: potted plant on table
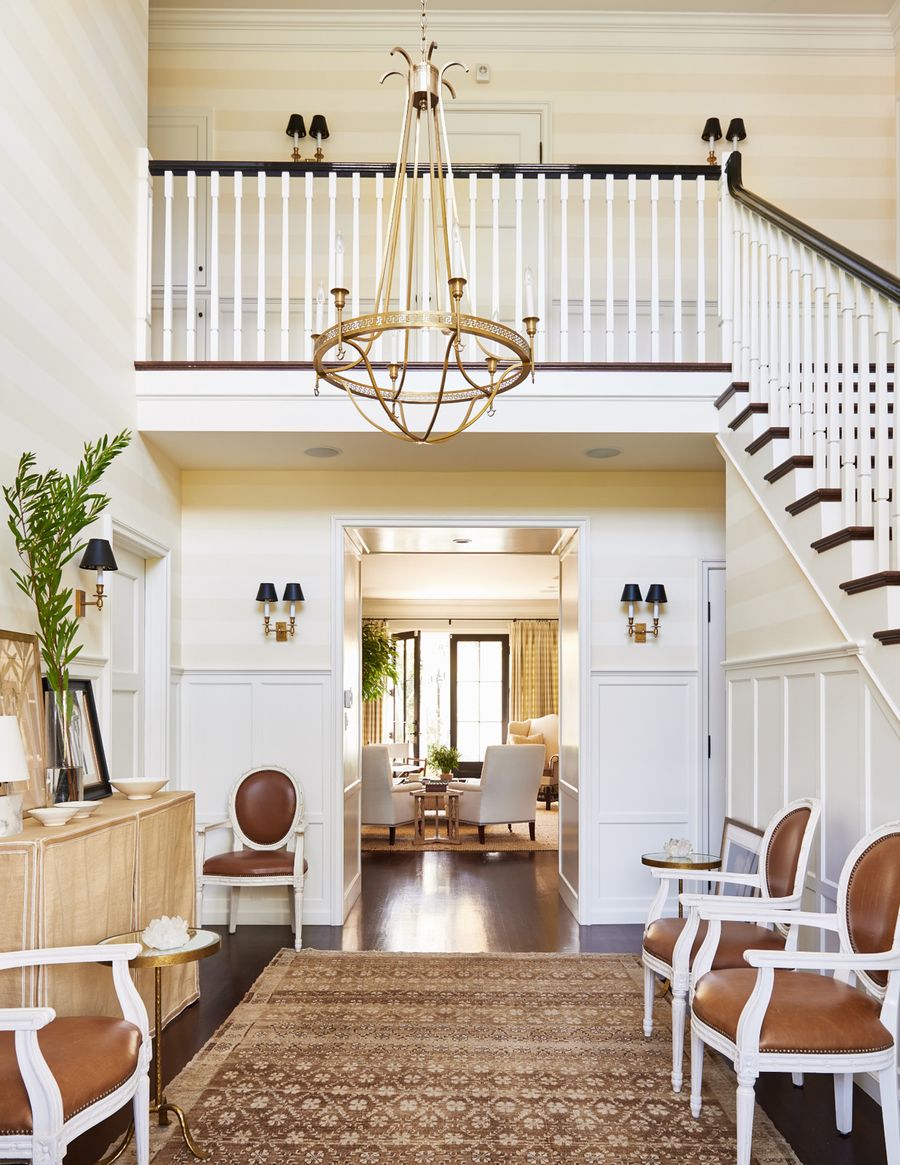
[(443, 758), (47, 514)]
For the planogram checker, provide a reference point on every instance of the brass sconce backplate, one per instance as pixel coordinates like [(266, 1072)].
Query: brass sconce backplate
[(281, 632), (640, 632)]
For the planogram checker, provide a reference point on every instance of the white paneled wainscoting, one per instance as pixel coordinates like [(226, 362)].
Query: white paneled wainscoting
[(231, 721), (813, 724)]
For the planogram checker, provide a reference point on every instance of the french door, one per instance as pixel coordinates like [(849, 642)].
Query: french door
[(479, 696), (406, 691)]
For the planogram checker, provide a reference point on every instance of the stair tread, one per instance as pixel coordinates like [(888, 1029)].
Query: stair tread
[(871, 582), (841, 537), (797, 461), (775, 433), (889, 637), (734, 387), (826, 494), (755, 408)]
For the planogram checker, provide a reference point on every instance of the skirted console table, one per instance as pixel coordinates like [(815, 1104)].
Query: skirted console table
[(129, 862)]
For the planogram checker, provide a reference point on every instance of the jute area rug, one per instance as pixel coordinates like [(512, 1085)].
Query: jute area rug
[(390, 1059), (497, 838)]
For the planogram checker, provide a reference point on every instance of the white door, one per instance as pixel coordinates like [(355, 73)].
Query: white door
[(569, 723), (127, 606), (714, 808), (350, 738), (491, 134)]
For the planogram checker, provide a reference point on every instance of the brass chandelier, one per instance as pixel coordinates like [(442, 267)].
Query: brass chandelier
[(370, 357)]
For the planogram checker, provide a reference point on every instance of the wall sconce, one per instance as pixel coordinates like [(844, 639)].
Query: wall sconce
[(296, 130), (98, 555), (735, 132), (712, 133), (293, 594), (631, 594), (318, 129)]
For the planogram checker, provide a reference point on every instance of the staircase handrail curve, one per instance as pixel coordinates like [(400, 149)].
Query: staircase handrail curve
[(867, 272), (553, 171)]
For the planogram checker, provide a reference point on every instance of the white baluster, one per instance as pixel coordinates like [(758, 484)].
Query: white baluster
[(701, 270), (745, 294), (285, 266), (403, 286), (820, 414), (753, 259), (737, 301), (654, 267), (849, 400), (833, 381), (807, 354), (190, 307), (144, 288), (895, 490), (354, 246), (632, 270), (214, 265), (332, 240), (784, 333), (543, 323), (495, 246), (882, 480), (378, 346), (168, 193), (677, 309), (472, 287), (610, 271), (795, 393), (864, 398), (308, 293), (261, 267), (762, 258), (586, 298), (425, 280), (776, 403), (564, 267), (520, 267), (237, 322)]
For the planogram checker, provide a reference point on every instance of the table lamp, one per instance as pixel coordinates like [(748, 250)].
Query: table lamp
[(13, 771)]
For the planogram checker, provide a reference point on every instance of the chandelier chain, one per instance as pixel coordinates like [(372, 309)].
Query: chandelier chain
[(424, 25)]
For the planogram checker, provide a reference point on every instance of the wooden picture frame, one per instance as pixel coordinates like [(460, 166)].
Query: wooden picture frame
[(21, 696), (96, 772), (740, 853)]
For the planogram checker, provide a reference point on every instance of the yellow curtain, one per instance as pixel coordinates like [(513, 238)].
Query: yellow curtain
[(372, 720), (533, 668)]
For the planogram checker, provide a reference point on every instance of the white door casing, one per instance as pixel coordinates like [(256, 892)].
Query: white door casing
[(350, 719), (571, 713), (126, 615), (713, 705)]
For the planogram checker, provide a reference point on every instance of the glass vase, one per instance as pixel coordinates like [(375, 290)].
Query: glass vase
[(64, 749)]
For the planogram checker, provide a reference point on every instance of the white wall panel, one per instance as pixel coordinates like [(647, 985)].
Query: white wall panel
[(842, 769), (741, 735), (769, 746)]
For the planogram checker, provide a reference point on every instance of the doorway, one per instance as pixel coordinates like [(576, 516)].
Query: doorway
[(456, 540)]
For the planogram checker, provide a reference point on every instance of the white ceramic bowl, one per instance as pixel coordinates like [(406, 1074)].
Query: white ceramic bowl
[(54, 814), (139, 788), (83, 808)]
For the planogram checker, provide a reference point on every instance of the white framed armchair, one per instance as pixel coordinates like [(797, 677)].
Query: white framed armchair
[(265, 816), (385, 801), (547, 728), (61, 1076), (507, 789)]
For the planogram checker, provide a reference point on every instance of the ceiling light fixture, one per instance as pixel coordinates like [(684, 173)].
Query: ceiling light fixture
[(602, 452), (423, 255), (322, 451)]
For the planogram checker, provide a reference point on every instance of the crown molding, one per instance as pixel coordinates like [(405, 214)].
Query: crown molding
[(247, 30), (894, 21)]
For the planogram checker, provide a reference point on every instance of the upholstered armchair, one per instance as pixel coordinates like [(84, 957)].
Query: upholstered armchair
[(384, 800), (547, 728), (671, 944), (781, 1014), (265, 816), (507, 789), (61, 1076)]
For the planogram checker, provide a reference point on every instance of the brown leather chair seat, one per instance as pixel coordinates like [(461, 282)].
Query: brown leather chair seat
[(88, 1056), (735, 938), (252, 863), (807, 1013)]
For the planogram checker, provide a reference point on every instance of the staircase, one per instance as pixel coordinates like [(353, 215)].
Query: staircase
[(808, 423)]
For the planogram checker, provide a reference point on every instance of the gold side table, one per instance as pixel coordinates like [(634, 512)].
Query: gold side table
[(200, 945), (450, 798), (690, 862)]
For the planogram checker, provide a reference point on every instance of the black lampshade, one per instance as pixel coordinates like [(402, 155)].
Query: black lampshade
[(712, 129), (98, 555), (295, 126), (631, 593), (736, 129), (267, 593), (656, 593), (318, 127), (293, 593)]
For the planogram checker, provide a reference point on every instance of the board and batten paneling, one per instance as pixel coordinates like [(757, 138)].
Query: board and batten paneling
[(233, 721), (813, 725), (645, 734)]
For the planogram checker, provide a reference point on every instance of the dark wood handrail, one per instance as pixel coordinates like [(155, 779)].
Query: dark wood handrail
[(483, 170), (855, 265)]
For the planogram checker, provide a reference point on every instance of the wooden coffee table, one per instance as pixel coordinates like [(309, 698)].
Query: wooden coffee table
[(441, 798)]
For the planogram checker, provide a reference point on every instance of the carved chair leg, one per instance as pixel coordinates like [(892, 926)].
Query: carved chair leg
[(679, 1010), (746, 1102), (392, 834), (141, 1110), (697, 1047), (890, 1113), (649, 982), (233, 909), (843, 1102), (531, 830), (481, 834), (198, 915), (298, 919)]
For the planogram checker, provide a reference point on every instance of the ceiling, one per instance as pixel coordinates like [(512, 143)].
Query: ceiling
[(477, 541), (442, 7), (461, 578), (477, 451)]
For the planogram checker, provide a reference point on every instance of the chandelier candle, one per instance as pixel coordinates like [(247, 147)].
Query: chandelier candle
[(478, 358)]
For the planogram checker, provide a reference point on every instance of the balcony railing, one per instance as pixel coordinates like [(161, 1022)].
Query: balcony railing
[(241, 257)]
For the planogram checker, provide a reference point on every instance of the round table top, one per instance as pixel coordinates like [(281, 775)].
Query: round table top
[(201, 944), (688, 862)]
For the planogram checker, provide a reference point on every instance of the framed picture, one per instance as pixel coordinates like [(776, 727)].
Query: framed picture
[(96, 773), (21, 696), (740, 853)]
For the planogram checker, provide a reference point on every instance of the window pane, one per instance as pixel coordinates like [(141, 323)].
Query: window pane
[(467, 701), (467, 741), (491, 661), (491, 701), (467, 660), (490, 734)]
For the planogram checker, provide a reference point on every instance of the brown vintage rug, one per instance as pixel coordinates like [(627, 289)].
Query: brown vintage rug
[(497, 837), (391, 1059)]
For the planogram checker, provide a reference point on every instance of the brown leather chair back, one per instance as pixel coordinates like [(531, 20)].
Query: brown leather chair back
[(783, 852), (873, 899), (264, 806)]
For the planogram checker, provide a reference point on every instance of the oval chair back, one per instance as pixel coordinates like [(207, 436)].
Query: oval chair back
[(869, 900), (265, 806), (784, 849)]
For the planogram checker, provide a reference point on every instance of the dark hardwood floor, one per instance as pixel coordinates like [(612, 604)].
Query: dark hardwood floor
[(477, 902)]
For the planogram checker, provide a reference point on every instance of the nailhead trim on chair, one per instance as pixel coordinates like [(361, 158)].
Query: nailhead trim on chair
[(93, 1100)]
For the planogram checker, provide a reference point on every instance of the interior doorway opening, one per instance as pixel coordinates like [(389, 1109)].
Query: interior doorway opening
[(451, 594)]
